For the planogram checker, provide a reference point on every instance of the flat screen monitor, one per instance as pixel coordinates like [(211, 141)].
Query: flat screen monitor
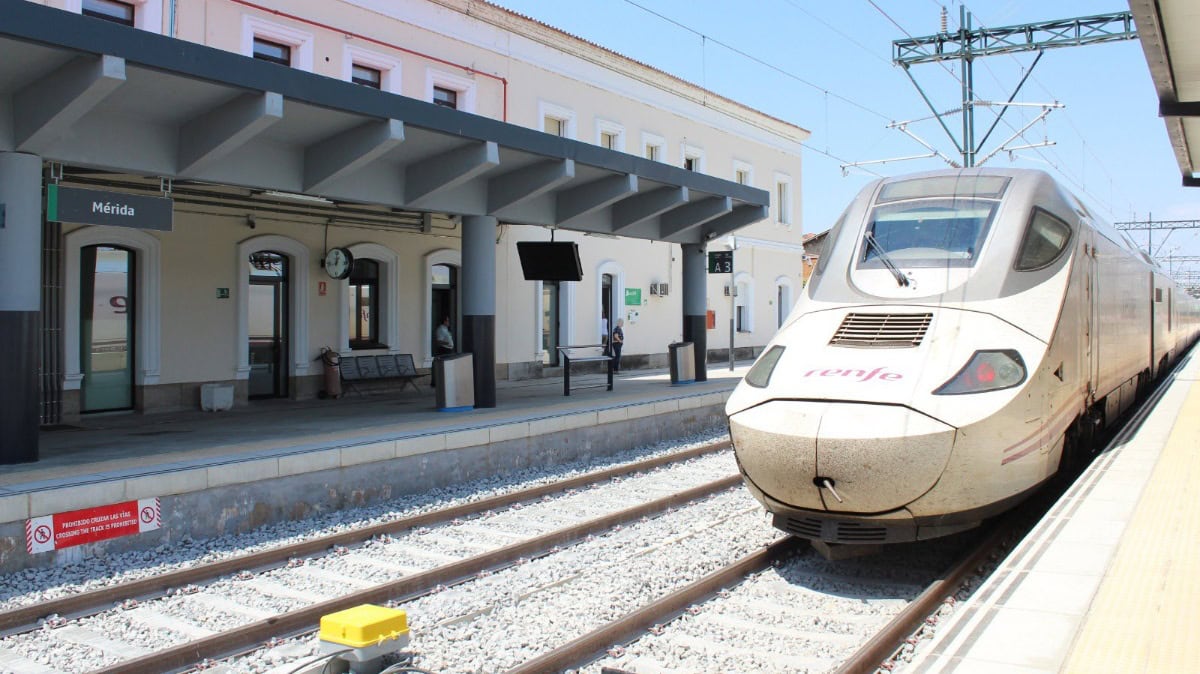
[(550, 260)]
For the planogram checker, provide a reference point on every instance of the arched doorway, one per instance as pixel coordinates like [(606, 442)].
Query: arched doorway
[(106, 328), (607, 306), (443, 299), (267, 324)]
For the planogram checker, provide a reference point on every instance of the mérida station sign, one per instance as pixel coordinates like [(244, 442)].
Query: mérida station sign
[(100, 207)]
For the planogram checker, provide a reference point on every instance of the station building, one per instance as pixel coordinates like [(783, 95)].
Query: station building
[(176, 173)]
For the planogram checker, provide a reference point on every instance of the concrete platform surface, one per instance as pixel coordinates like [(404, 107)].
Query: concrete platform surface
[(227, 472), (1109, 580)]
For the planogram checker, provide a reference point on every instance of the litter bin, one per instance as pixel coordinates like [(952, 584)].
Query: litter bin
[(331, 361), (456, 382), (683, 363)]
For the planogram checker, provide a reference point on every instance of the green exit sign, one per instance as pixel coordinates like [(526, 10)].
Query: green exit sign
[(720, 262)]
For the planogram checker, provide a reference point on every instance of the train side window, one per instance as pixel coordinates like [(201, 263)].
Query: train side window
[(1045, 240), (826, 251)]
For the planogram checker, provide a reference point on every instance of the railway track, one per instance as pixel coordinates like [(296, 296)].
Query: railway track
[(552, 580), (187, 605)]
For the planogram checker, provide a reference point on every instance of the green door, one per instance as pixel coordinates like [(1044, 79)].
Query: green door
[(106, 328)]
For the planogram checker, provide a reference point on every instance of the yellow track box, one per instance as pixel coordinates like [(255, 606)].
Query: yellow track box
[(364, 625)]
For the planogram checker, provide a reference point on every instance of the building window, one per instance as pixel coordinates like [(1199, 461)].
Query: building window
[(743, 302), (364, 305), (610, 135), (366, 76), (783, 199), (557, 120), (109, 10), (277, 43), (450, 90), (693, 158), (652, 146), (447, 98), (371, 69), (274, 52), (555, 126), (743, 172)]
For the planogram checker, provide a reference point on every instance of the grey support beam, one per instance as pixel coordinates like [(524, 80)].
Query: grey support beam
[(341, 155), (45, 110), (580, 201), (740, 217), (426, 178), (1179, 108), (516, 187), (638, 209), (695, 304), (479, 303), (693, 215), (218, 132)]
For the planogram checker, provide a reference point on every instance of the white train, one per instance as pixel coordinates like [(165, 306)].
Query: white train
[(963, 337)]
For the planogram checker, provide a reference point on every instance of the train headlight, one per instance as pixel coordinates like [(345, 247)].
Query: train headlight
[(760, 375), (986, 371)]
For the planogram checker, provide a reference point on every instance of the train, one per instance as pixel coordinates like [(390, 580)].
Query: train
[(966, 335)]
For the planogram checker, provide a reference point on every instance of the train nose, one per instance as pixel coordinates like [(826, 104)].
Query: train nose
[(875, 457)]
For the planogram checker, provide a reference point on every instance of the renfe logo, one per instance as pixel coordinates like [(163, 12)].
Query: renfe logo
[(859, 375)]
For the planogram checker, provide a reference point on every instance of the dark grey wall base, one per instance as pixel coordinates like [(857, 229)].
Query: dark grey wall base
[(241, 508)]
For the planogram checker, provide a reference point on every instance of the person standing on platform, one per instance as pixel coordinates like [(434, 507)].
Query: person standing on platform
[(618, 341), (443, 345)]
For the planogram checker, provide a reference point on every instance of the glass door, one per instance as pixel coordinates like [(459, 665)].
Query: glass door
[(606, 309), (550, 330), (444, 302), (268, 325), (106, 328)]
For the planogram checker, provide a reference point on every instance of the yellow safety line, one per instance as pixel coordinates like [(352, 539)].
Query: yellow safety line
[(1146, 615)]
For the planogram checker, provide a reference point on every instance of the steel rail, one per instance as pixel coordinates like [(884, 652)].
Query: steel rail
[(25, 618), (872, 654), (876, 651), (300, 620), (585, 648)]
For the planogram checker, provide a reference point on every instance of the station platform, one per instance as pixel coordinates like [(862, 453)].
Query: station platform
[(217, 473), (1109, 580)]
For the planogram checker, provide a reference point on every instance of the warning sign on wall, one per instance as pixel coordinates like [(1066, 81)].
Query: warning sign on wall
[(63, 530)]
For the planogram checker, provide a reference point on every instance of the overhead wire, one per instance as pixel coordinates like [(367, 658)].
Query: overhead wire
[(705, 38), (1059, 165), (759, 61), (1079, 182)]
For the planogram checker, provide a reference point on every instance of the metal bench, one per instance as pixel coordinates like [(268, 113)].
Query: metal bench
[(391, 366), (588, 353)]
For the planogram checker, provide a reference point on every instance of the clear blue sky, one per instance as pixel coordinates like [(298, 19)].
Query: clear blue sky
[(826, 66)]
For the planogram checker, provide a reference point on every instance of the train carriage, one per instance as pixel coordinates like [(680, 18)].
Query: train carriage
[(963, 336)]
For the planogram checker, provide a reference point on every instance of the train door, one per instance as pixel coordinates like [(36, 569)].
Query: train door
[(1092, 317)]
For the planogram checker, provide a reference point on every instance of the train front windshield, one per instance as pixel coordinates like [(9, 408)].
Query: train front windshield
[(931, 222)]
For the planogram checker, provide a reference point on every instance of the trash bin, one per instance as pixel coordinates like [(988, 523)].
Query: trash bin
[(332, 363), (683, 363), (456, 382)]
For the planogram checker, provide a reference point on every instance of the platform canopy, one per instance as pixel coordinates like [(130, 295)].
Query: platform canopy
[(1170, 35), (89, 93)]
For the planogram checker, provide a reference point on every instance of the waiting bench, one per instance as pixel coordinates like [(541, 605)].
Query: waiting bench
[(392, 366), (589, 353)]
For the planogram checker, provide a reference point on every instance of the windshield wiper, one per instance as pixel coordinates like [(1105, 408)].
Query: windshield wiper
[(887, 261)]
